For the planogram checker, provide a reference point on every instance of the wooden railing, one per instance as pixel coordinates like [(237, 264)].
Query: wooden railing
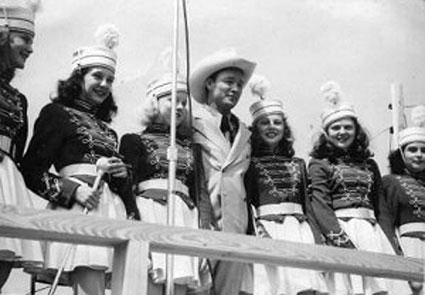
[(132, 240)]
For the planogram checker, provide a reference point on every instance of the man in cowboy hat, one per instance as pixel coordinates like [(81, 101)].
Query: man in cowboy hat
[(217, 83)]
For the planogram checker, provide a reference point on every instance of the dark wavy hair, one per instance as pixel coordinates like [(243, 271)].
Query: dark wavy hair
[(6, 73), (358, 151), (397, 165), (71, 89), (285, 146)]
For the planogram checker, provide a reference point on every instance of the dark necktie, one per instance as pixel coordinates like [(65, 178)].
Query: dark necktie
[(226, 128)]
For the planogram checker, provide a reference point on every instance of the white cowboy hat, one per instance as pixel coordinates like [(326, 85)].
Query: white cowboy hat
[(225, 58)]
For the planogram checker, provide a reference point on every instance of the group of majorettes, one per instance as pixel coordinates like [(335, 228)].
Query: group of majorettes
[(339, 199)]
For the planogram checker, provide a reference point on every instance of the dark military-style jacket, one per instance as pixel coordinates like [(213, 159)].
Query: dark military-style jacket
[(146, 152), (404, 197), (70, 135), (13, 121), (274, 179), (343, 185)]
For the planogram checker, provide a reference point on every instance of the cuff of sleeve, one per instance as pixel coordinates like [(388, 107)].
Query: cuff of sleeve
[(340, 239), (67, 195)]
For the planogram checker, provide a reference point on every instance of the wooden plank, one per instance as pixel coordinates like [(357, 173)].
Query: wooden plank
[(63, 226), (129, 273)]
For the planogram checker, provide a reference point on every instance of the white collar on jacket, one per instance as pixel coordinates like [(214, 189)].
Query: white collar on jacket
[(207, 125)]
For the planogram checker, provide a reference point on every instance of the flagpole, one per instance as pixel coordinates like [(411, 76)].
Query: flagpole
[(395, 112), (172, 150)]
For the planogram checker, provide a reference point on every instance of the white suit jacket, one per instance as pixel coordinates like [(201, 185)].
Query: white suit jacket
[(224, 168)]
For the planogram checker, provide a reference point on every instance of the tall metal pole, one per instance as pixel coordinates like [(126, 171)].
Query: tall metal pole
[(397, 110), (172, 150)]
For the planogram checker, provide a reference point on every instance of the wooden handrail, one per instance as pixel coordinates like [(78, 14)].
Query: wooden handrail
[(139, 238)]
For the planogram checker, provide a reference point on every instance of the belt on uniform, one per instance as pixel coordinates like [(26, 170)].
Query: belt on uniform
[(285, 208), (5, 143), (161, 184), (78, 169), (412, 228), (361, 213), (80, 172)]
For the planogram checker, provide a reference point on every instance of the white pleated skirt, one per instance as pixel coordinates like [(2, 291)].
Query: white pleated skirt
[(273, 280), (14, 192), (185, 268), (98, 258), (368, 237), (412, 246)]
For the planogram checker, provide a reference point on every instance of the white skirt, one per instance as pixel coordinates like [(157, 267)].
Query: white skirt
[(273, 280), (186, 268), (366, 237), (95, 257), (13, 191), (412, 246)]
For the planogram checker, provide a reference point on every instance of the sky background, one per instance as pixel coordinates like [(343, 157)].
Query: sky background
[(365, 45)]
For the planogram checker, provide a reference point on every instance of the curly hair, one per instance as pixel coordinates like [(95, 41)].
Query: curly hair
[(359, 149), (71, 89), (285, 145), (149, 115), (6, 72), (397, 165)]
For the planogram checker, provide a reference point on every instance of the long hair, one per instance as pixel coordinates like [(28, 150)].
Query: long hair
[(358, 151), (397, 165), (71, 89), (285, 145), (6, 72)]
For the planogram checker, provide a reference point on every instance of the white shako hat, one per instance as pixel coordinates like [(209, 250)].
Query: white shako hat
[(337, 107), (102, 54), (415, 132), (260, 86), (18, 15)]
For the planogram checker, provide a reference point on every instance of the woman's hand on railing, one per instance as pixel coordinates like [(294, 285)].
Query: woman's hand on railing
[(116, 168), (86, 197), (261, 230), (416, 288)]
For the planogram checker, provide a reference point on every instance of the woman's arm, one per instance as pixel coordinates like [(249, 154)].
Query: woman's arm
[(306, 197), (320, 173), (48, 136), (389, 206)]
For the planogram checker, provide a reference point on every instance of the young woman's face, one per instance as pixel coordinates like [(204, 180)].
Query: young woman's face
[(414, 156), (20, 49), (97, 84), (270, 128), (164, 108), (342, 133)]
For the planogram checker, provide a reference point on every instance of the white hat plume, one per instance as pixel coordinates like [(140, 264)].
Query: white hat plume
[(259, 86), (35, 5), (418, 116), (332, 93), (107, 35)]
